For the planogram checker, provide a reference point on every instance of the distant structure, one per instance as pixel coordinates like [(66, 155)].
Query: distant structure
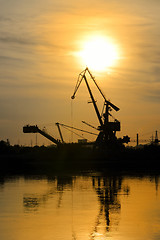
[(137, 139), (156, 141)]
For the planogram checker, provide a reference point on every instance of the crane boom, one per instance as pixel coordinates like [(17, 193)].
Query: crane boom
[(82, 75), (35, 129), (108, 102), (78, 83)]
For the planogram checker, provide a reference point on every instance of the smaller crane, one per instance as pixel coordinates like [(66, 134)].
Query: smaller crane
[(60, 133), (36, 129)]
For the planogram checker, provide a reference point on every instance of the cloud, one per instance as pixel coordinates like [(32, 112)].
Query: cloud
[(17, 40), (153, 98), (156, 70), (8, 58), (5, 19), (156, 236), (151, 92)]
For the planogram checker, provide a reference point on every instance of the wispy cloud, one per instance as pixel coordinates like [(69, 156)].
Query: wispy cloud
[(8, 58), (16, 39), (5, 19)]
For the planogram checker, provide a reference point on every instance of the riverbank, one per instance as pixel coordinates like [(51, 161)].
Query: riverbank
[(79, 158)]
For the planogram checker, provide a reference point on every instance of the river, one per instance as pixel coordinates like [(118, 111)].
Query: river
[(86, 206)]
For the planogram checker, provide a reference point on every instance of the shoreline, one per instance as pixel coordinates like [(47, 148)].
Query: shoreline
[(44, 159)]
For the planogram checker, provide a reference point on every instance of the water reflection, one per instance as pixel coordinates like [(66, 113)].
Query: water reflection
[(93, 207), (107, 189), (156, 183), (2, 181), (31, 202)]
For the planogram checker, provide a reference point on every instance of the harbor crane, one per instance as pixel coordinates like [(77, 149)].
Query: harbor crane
[(107, 129)]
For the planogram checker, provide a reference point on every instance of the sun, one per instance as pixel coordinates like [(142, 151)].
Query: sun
[(99, 53)]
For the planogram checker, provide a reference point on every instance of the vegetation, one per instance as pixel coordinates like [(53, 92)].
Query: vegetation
[(79, 157)]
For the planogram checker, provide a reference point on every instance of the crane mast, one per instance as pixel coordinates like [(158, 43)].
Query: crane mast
[(94, 102)]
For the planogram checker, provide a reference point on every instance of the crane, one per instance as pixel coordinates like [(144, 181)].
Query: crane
[(36, 129), (107, 129), (60, 133)]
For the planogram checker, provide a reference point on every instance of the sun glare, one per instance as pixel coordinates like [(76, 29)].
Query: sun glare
[(99, 53)]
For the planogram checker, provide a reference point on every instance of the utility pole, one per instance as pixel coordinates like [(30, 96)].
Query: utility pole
[(156, 137), (137, 139)]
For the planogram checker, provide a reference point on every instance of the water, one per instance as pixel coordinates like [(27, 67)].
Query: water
[(89, 207)]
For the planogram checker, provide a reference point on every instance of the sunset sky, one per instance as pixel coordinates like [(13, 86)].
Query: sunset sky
[(40, 58)]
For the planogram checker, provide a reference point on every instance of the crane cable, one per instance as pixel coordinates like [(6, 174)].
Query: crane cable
[(64, 125), (71, 119), (74, 132)]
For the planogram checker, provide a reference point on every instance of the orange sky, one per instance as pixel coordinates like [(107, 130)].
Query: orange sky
[(39, 68)]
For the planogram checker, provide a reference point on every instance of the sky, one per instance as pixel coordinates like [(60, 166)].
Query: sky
[(39, 65)]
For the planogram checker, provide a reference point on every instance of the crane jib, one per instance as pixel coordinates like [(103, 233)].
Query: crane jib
[(82, 75)]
